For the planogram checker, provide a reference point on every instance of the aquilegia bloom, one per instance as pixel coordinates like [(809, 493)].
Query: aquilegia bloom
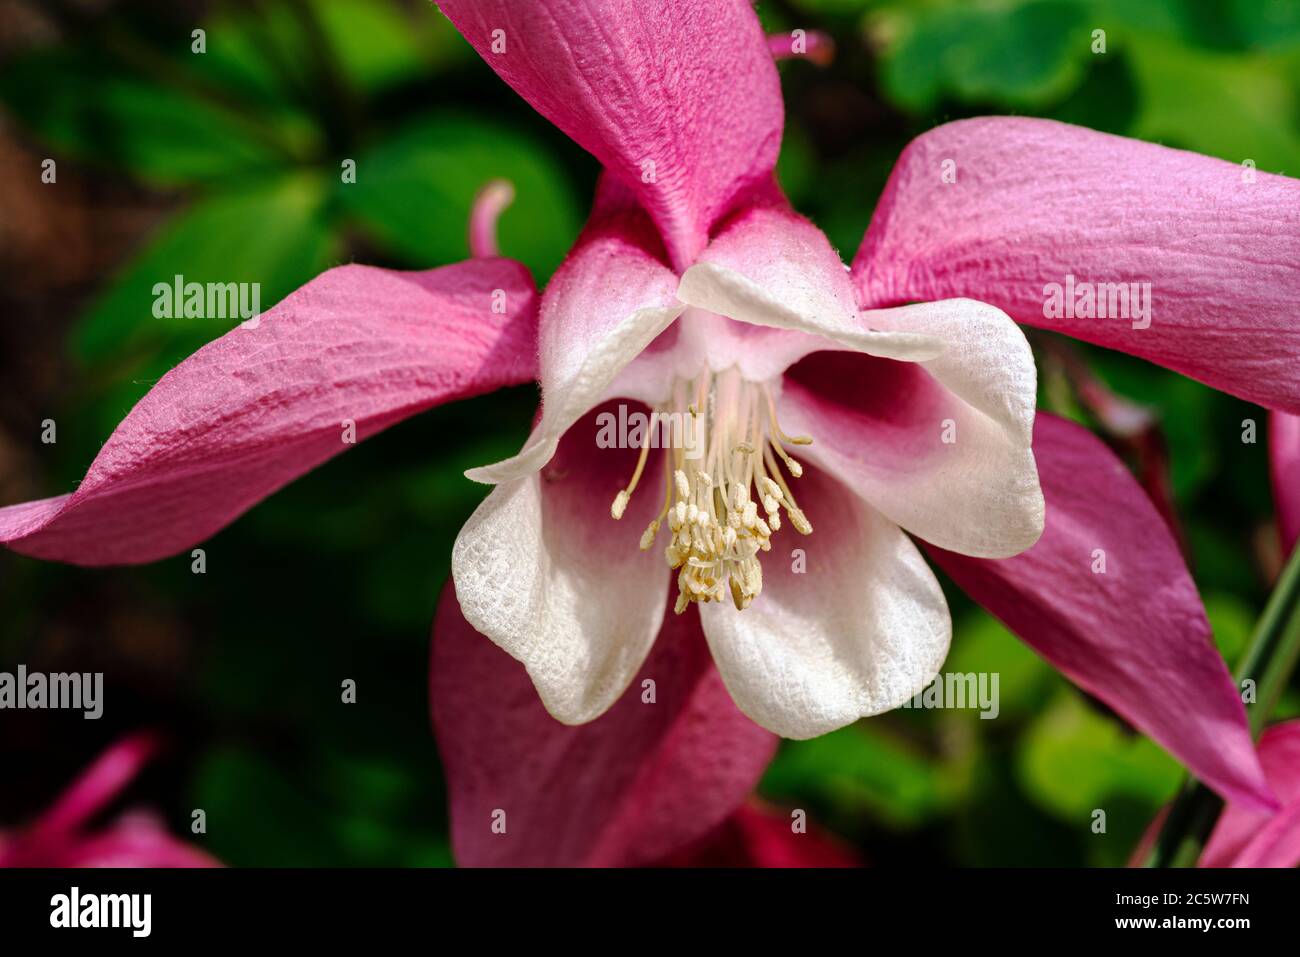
[(696, 290), (64, 836)]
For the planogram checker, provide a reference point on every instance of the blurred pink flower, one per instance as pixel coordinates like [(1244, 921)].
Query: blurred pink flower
[(695, 289), (1245, 836), (1284, 458), (64, 837), (758, 835), (1248, 837)]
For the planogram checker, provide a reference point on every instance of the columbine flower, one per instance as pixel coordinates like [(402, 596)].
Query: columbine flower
[(61, 836), (901, 387)]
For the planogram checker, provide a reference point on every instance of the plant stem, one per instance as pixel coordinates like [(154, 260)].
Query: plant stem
[(1269, 661)]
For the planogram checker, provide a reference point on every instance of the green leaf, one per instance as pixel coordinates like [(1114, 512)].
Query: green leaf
[(88, 108), (1267, 24), (1022, 55), (1073, 760), (1233, 621), (1221, 104), (275, 235), (414, 192), (274, 51), (982, 644), (858, 767)]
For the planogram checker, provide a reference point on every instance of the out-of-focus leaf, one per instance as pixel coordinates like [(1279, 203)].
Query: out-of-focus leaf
[(328, 810), (1233, 622), (1022, 55), (287, 826), (1171, 18), (415, 190), (274, 234), (1247, 95), (83, 106), (835, 8), (380, 44), (1267, 24), (1073, 760), (273, 52), (981, 644), (858, 767)]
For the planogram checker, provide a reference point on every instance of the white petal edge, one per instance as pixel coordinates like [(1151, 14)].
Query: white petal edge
[(864, 629), (979, 494), (722, 290), (570, 400), (580, 620)]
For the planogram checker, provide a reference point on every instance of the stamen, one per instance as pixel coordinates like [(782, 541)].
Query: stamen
[(619, 504), (723, 501)]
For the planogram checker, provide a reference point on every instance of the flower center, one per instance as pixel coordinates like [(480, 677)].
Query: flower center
[(726, 449)]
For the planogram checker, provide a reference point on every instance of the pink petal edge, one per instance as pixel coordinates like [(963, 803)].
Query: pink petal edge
[(262, 405), (681, 101), (1284, 461), (631, 787), (1035, 201), (1245, 837), (1136, 636)]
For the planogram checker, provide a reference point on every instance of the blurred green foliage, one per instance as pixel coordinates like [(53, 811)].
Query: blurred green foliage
[(339, 574)]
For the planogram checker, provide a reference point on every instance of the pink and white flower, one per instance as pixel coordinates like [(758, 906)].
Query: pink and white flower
[(825, 395)]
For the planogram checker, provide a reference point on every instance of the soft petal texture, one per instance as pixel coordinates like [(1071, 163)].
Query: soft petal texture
[(769, 267), (859, 631), (1036, 200), (262, 405), (1246, 837), (687, 87), (606, 303), (761, 836), (943, 447), (630, 788), (1284, 459), (1136, 636), (544, 571)]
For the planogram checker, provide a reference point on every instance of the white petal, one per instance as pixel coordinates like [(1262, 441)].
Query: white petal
[(573, 392), (544, 571), (945, 452), (605, 304), (773, 268), (860, 631), (581, 627)]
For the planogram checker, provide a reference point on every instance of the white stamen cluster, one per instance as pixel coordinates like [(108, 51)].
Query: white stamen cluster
[(716, 488)]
